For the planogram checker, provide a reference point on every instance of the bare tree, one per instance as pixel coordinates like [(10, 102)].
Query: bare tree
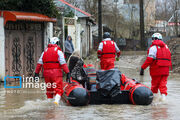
[(164, 9), (110, 13), (115, 15), (91, 6), (74, 2), (176, 16), (112, 17)]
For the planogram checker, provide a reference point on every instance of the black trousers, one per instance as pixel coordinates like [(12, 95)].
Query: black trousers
[(67, 55)]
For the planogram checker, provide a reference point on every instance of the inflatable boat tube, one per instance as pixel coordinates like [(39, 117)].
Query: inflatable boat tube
[(138, 93), (74, 94)]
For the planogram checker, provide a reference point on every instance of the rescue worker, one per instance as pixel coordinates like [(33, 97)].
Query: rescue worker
[(52, 60), (159, 60), (107, 52)]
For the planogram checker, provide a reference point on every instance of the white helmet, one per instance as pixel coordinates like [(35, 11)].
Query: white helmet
[(54, 40), (157, 36)]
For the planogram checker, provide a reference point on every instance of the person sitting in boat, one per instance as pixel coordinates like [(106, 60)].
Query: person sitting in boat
[(107, 51), (75, 64)]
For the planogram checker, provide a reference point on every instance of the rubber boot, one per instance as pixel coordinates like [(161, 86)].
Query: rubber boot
[(50, 100), (57, 99), (163, 97), (155, 97)]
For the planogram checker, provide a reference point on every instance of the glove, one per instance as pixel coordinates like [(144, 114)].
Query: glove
[(119, 53), (142, 72), (68, 77), (117, 59), (36, 75), (99, 56), (99, 53)]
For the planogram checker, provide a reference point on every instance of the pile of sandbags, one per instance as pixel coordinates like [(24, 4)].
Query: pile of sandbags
[(174, 46)]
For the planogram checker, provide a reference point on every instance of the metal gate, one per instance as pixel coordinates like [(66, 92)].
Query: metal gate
[(23, 47)]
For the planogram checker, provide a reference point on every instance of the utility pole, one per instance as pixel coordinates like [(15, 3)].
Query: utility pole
[(99, 21), (176, 16), (133, 27), (141, 5), (116, 20)]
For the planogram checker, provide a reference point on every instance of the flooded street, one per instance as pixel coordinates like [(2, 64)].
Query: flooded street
[(31, 104)]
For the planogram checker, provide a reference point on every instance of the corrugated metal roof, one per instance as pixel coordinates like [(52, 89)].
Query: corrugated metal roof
[(14, 16)]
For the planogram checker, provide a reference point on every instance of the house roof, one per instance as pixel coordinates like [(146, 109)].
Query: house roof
[(79, 12), (15, 16)]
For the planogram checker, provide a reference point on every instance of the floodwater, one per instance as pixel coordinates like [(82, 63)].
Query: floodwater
[(31, 104)]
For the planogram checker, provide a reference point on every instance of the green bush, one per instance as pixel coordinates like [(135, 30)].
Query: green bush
[(46, 7)]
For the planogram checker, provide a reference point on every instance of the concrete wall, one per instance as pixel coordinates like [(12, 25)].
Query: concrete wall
[(91, 38), (48, 33), (84, 38), (84, 41), (81, 34), (89, 29), (72, 33), (2, 49), (78, 38)]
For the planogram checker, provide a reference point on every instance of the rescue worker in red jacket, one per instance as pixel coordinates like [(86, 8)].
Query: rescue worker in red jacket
[(107, 52), (159, 60), (53, 62)]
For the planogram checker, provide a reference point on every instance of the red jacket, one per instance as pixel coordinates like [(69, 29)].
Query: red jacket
[(51, 65), (108, 50), (50, 58), (160, 65)]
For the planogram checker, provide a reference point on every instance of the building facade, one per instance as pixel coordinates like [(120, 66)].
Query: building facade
[(79, 27), (23, 37)]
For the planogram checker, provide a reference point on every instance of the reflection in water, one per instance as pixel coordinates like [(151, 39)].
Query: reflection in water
[(160, 113), (141, 79), (55, 114), (32, 104)]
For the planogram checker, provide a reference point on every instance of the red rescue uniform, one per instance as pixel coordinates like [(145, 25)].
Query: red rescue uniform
[(159, 66), (53, 70), (107, 54)]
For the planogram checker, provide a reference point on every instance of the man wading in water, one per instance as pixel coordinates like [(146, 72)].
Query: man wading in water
[(52, 60), (159, 60)]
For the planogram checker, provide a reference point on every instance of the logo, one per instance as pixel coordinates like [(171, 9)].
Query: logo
[(28, 82), (12, 77)]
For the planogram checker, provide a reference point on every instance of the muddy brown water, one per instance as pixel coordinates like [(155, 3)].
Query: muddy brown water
[(31, 104)]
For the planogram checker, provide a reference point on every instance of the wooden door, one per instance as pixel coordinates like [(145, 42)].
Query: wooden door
[(14, 53), (23, 49)]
